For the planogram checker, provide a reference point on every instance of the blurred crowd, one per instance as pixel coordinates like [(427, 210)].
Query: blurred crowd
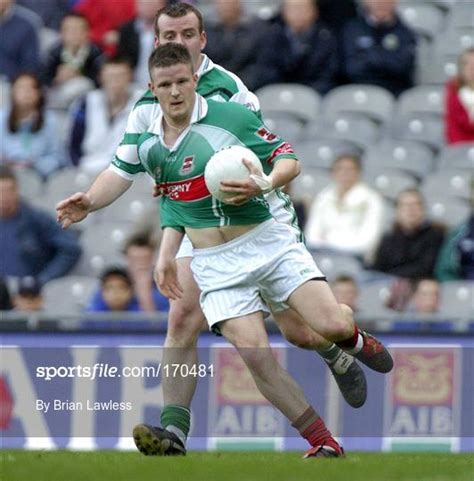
[(72, 70)]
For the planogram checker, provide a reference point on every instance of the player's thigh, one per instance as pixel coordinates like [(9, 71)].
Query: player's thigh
[(316, 304), (247, 331), (185, 314)]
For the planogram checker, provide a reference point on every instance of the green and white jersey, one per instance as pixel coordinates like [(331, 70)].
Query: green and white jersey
[(214, 83), (186, 201)]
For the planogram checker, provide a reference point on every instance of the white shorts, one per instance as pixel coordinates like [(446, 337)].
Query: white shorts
[(185, 249), (263, 266)]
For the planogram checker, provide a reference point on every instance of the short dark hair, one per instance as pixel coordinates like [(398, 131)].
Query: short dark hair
[(116, 60), (115, 271), (414, 191), (345, 278), (349, 155), (141, 239), (6, 173), (178, 10), (78, 16), (168, 55)]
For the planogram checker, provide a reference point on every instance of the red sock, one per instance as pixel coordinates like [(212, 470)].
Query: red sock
[(317, 434), (351, 342)]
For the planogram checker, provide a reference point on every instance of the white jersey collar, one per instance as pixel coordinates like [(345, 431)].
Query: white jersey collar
[(206, 65), (199, 112)]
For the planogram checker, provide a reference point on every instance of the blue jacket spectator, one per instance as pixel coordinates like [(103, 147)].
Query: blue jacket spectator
[(239, 43), (30, 133), (307, 48), (379, 49), (51, 12), (32, 243), (19, 46)]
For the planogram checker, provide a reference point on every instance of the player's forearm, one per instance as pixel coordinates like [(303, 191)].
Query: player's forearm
[(108, 187), (170, 242), (284, 172)]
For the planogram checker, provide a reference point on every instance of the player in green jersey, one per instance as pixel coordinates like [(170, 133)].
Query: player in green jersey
[(281, 269), (182, 23)]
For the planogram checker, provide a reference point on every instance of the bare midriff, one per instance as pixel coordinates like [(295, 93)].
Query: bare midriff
[(215, 236)]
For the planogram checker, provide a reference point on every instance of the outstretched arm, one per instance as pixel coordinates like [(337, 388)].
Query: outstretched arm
[(108, 187)]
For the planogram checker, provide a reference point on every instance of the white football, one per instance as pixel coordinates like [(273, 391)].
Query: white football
[(226, 164)]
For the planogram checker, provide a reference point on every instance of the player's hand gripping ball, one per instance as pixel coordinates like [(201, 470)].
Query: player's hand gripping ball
[(226, 164)]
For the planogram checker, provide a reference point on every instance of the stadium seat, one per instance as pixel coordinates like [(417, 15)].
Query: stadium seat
[(30, 183), (419, 128), (457, 298), (373, 296), (334, 264), (453, 42), (447, 183), (321, 153), (410, 157), (67, 181), (68, 295), (422, 100), (437, 70), (462, 15), (448, 211), (389, 182), (284, 125), (459, 156), (361, 131), (370, 101), (300, 101), (424, 19)]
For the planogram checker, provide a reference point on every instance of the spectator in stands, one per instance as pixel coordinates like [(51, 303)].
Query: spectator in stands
[(379, 49), (51, 12), (347, 215), (29, 297), (5, 299), (115, 294), (136, 38), (105, 18), (459, 109), (336, 13), (72, 66), (306, 47), (410, 248), (456, 259), (102, 114), (29, 132), (426, 297), (346, 291), (140, 256), (32, 243), (240, 44), (19, 46)]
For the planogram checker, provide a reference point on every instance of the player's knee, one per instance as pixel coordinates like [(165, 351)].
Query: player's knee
[(337, 325), (185, 322)]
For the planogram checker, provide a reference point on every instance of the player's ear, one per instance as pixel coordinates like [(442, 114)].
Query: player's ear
[(203, 39)]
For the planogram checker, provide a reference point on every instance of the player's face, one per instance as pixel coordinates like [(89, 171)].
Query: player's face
[(185, 31), (175, 88)]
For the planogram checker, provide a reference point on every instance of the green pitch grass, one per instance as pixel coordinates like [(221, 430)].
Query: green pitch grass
[(239, 466)]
